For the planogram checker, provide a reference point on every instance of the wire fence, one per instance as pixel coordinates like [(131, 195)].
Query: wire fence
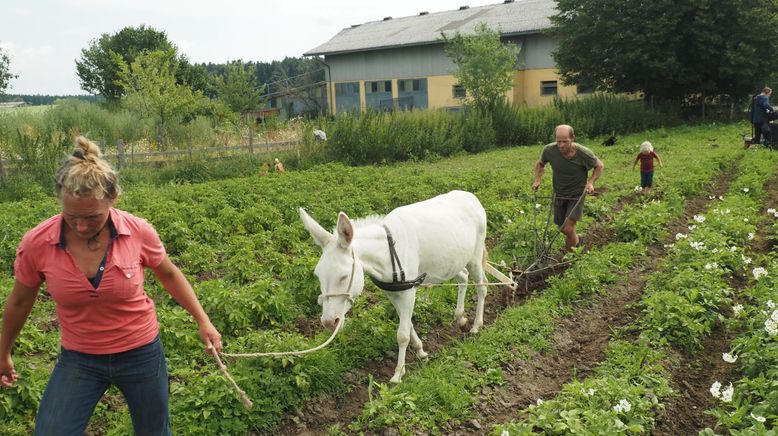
[(128, 156)]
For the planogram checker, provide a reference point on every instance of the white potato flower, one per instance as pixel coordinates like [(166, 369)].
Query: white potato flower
[(758, 418), (726, 394), (623, 406), (729, 358), (715, 389), (771, 327), (760, 272)]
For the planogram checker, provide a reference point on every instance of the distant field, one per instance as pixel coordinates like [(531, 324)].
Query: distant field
[(26, 109)]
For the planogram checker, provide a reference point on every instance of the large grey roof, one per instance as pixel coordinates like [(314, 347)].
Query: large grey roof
[(518, 17)]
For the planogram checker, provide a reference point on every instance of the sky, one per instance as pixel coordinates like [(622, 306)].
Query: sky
[(43, 38)]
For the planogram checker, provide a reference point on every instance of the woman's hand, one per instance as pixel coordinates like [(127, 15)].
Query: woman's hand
[(8, 375), (211, 338)]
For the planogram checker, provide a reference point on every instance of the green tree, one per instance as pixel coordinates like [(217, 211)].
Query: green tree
[(152, 91), (237, 88), (99, 65), (484, 65), (667, 48), (5, 71)]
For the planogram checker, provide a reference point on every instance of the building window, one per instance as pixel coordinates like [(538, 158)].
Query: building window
[(411, 85), (459, 91), (548, 87), (379, 86), (347, 88)]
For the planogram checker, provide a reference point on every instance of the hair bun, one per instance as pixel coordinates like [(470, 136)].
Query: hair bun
[(85, 148)]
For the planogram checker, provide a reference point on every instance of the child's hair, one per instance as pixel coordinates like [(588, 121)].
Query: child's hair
[(646, 147)]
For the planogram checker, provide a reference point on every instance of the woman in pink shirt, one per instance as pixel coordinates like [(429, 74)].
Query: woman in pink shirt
[(92, 257)]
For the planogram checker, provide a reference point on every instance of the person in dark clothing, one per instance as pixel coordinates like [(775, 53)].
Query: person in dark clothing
[(760, 107)]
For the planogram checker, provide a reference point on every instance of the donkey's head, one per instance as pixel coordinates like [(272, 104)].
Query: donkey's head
[(339, 270)]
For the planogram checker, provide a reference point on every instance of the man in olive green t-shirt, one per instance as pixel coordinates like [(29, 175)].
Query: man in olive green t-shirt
[(571, 163)]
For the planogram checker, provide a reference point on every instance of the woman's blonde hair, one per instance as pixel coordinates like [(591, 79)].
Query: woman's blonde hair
[(86, 174), (646, 147)]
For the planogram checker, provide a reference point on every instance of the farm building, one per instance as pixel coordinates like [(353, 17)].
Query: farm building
[(400, 63)]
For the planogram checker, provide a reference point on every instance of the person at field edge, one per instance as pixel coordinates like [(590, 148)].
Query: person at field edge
[(646, 158), (278, 165), (92, 257), (570, 163), (759, 110)]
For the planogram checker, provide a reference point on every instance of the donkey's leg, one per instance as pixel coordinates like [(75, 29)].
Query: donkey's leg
[(477, 270), (459, 313), (416, 343), (403, 302)]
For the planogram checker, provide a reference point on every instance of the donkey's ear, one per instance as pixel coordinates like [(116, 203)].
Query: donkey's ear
[(320, 236), (345, 230)]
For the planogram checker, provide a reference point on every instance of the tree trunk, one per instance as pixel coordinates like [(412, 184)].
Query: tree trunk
[(702, 104)]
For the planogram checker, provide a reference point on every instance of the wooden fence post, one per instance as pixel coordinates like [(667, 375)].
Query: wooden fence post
[(251, 140), (189, 145), (2, 169), (120, 152)]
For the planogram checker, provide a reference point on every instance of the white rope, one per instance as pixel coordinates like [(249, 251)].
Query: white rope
[(289, 353), (433, 285), (241, 393)]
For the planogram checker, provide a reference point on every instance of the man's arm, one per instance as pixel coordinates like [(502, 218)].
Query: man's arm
[(539, 167), (598, 167)]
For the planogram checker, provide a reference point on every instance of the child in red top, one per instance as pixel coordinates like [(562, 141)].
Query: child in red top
[(646, 158)]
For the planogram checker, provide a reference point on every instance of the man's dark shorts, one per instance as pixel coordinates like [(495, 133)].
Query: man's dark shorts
[(564, 207)]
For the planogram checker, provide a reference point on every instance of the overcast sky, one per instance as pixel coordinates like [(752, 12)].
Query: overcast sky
[(43, 38)]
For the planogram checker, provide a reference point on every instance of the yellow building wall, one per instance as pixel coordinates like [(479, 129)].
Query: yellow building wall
[(440, 90), (527, 90)]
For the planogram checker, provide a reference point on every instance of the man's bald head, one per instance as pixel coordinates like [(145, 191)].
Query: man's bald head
[(563, 129)]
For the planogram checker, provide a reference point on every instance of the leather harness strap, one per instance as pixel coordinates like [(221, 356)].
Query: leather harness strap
[(401, 284)]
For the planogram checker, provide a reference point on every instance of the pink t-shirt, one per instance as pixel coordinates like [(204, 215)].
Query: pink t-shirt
[(118, 315)]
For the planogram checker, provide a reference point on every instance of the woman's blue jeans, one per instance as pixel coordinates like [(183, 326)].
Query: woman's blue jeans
[(79, 380)]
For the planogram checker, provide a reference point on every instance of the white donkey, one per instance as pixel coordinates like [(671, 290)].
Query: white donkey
[(431, 241)]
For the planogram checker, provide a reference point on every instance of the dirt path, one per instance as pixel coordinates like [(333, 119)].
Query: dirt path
[(580, 339), (685, 414)]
